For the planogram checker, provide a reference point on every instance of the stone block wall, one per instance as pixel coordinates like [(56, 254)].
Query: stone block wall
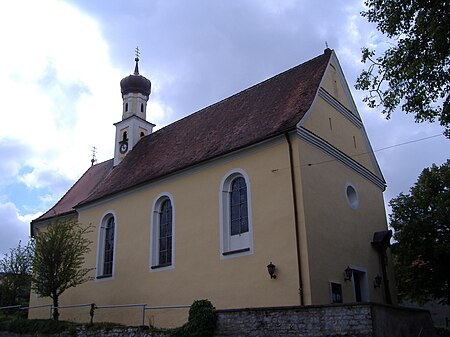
[(311, 321), (350, 320)]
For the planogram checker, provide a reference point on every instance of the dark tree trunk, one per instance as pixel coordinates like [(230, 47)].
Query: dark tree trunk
[(55, 307)]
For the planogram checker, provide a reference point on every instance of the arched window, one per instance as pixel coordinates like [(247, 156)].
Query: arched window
[(238, 206), (142, 107), (162, 233), (126, 107), (165, 233), (105, 254), (125, 136), (109, 247), (235, 215)]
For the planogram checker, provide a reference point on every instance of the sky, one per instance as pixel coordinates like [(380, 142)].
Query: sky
[(62, 62)]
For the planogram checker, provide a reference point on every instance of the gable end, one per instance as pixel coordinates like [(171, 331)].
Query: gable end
[(318, 142)]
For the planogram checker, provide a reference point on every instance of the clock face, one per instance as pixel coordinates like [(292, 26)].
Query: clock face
[(123, 147)]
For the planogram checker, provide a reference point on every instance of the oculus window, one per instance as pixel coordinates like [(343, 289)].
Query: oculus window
[(351, 195)]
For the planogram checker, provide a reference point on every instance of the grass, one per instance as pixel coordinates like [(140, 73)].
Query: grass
[(48, 326)]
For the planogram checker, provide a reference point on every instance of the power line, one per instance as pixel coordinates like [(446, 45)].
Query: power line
[(377, 150), (409, 142)]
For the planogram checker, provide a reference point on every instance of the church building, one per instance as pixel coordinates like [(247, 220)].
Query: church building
[(271, 197)]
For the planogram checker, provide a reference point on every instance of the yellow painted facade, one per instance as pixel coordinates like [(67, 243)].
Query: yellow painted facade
[(331, 233)]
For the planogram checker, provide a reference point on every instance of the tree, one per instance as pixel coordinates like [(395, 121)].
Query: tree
[(421, 221), (16, 268), (415, 71), (59, 259)]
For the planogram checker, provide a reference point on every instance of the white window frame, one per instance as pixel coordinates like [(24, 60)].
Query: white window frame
[(364, 284), (154, 233), (243, 244), (101, 246), (352, 197), (331, 291)]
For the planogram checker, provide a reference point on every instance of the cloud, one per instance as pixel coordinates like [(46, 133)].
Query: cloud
[(13, 154), (13, 226), (56, 80), (51, 179)]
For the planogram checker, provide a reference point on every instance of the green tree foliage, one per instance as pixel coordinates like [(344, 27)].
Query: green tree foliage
[(59, 259), (201, 321), (421, 221), (16, 269), (415, 71)]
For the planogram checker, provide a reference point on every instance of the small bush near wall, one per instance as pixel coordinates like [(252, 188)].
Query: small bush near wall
[(201, 323)]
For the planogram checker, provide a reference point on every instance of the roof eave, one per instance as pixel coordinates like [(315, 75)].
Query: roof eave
[(202, 162), (39, 220)]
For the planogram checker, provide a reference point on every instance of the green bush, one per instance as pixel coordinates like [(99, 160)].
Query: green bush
[(201, 322), (106, 326)]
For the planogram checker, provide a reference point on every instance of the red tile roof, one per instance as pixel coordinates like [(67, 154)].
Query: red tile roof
[(260, 112), (79, 191)]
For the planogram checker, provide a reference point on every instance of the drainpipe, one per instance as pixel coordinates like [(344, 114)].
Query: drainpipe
[(381, 242), (383, 261), (294, 200)]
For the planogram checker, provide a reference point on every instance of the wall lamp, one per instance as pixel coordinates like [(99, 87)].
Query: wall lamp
[(271, 270), (348, 273), (377, 281)]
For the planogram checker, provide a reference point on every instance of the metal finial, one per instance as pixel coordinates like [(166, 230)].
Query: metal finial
[(137, 52), (326, 44), (94, 158)]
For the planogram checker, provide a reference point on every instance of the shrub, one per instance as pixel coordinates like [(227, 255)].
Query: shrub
[(201, 322)]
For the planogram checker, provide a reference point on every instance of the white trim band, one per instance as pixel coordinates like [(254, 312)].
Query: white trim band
[(340, 156)]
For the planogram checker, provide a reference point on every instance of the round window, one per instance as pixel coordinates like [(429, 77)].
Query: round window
[(351, 196)]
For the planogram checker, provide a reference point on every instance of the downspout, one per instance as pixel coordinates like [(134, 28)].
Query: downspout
[(297, 238), (383, 262), (381, 242)]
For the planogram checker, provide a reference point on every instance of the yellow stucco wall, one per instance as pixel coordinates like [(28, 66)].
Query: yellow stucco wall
[(337, 235), (334, 85), (337, 130), (199, 272)]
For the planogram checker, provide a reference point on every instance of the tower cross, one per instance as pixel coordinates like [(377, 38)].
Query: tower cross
[(137, 52), (94, 152)]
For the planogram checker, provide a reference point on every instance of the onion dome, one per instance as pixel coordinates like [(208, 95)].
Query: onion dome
[(136, 83)]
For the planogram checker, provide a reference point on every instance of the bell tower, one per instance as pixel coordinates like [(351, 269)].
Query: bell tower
[(135, 90)]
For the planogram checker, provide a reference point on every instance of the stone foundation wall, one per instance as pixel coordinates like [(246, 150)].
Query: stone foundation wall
[(311, 321), (349, 320)]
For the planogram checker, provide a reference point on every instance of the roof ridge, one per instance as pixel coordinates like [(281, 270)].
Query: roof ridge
[(259, 84), (239, 93)]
